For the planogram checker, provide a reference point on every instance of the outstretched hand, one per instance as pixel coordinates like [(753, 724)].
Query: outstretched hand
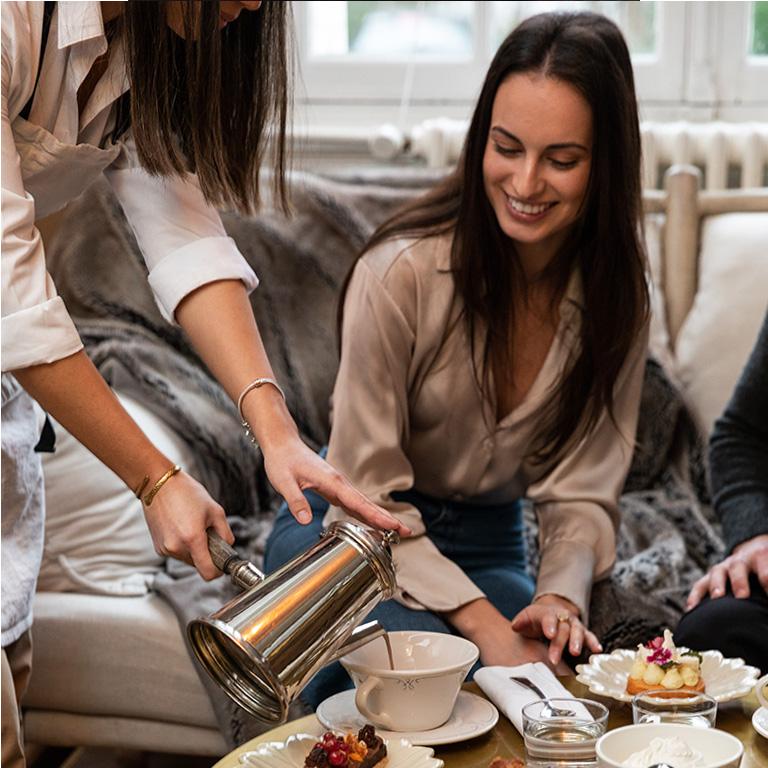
[(749, 557), (292, 467), (556, 620)]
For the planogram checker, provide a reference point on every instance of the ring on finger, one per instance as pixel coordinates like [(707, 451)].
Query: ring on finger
[(564, 616)]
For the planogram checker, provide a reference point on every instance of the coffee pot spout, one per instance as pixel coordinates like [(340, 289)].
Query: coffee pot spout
[(359, 637)]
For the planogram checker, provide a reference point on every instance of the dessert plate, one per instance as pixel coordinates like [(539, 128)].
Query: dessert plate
[(292, 752), (760, 721), (724, 679), (472, 716)]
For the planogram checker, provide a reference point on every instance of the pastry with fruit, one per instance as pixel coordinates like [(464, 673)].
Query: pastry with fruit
[(659, 665), (363, 750)]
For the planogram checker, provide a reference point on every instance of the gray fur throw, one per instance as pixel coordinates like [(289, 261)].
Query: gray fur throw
[(667, 538)]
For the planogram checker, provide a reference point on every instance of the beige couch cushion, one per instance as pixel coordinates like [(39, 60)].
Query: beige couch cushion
[(96, 539), (97, 655), (721, 328)]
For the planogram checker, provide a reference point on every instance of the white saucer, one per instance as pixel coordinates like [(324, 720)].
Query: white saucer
[(472, 716), (760, 721)]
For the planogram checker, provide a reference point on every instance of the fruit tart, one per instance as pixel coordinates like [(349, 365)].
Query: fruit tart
[(660, 665), (363, 750)]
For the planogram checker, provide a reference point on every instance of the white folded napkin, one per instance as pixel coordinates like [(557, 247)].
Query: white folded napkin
[(511, 697)]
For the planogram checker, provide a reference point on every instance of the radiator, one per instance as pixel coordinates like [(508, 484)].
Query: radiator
[(728, 155)]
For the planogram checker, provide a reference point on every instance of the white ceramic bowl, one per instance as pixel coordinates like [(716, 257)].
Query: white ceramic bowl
[(719, 749)]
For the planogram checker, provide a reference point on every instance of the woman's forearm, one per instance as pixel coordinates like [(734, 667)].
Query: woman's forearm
[(219, 321), (76, 395)]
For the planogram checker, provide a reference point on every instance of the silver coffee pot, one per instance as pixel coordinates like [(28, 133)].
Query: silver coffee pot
[(265, 645)]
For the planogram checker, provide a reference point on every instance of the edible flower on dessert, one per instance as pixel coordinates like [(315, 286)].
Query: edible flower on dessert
[(662, 651)]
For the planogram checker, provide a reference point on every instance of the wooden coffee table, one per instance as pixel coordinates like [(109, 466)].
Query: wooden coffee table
[(734, 717)]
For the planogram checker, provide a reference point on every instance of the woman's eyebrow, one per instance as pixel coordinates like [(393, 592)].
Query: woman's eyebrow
[(563, 145)]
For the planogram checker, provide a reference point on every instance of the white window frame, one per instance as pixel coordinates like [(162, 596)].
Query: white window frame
[(696, 73), (746, 75)]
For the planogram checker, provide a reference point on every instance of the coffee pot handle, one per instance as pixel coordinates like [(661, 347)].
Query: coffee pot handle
[(243, 573)]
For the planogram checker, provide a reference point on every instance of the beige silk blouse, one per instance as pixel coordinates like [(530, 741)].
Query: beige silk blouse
[(408, 413)]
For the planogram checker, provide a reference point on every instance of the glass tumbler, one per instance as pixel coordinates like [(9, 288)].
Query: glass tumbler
[(563, 732), (663, 706)]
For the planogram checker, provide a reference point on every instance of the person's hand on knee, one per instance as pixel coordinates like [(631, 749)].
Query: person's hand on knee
[(749, 557)]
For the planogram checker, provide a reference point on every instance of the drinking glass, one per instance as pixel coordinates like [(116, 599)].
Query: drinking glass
[(681, 707), (555, 739)]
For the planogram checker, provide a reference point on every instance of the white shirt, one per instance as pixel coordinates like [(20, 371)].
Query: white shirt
[(52, 157)]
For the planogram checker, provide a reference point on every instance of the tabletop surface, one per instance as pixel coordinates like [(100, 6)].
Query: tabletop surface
[(733, 716)]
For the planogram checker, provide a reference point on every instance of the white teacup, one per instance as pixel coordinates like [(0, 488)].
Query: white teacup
[(419, 694), (761, 691)]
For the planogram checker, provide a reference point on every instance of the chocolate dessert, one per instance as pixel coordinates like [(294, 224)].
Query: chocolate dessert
[(362, 751)]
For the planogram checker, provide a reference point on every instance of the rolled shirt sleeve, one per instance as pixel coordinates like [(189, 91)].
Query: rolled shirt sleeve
[(180, 235), (577, 502), (371, 426), (36, 327)]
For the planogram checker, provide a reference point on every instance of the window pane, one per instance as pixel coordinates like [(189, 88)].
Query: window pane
[(636, 20), (391, 30), (759, 43)]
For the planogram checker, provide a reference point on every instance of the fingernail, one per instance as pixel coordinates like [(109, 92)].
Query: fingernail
[(304, 517), (717, 592), (599, 646)]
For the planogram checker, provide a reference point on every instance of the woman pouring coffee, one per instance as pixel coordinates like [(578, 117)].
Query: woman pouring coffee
[(173, 103)]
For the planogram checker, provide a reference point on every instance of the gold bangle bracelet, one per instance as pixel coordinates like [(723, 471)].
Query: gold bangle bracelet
[(149, 498), (140, 487)]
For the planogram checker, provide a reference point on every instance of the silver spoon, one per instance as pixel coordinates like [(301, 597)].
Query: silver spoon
[(553, 711)]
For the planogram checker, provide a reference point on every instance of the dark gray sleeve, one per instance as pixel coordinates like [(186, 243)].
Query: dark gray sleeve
[(738, 452)]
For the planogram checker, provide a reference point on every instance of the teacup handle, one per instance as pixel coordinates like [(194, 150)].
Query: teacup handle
[(362, 694)]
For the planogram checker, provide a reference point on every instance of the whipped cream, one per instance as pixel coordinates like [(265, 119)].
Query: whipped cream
[(673, 751)]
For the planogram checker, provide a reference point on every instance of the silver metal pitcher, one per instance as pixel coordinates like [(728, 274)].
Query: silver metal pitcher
[(265, 645)]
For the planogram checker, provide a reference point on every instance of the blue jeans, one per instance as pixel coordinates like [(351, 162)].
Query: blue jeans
[(487, 543)]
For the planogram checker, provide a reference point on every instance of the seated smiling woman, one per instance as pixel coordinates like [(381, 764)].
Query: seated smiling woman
[(493, 345)]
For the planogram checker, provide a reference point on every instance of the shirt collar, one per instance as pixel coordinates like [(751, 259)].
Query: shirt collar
[(78, 22)]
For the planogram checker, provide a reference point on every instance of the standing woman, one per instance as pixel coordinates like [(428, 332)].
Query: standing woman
[(493, 348), (174, 102)]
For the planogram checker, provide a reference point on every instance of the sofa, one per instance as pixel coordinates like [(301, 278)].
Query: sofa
[(111, 668)]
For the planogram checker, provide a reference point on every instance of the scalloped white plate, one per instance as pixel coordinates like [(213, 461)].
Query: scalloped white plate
[(724, 679), (291, 753)]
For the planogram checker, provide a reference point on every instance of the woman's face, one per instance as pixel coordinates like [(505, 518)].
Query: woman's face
[(537, 160), (229, 10)]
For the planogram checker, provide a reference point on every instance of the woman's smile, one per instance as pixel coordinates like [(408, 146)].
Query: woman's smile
[(528, 212)]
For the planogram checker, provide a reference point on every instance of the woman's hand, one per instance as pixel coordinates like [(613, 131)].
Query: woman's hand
[(557, 620), (480, 622), (178, 519), (292, 467), (749, 557)]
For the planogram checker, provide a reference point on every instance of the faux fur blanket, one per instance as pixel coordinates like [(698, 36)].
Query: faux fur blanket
[(667, 536)]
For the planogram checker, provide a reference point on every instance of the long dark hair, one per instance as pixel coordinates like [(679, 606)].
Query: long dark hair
[(588, 52), (214, 103)]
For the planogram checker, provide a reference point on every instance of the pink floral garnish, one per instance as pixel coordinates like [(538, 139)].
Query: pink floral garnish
[(655, 644), (660, 656)]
